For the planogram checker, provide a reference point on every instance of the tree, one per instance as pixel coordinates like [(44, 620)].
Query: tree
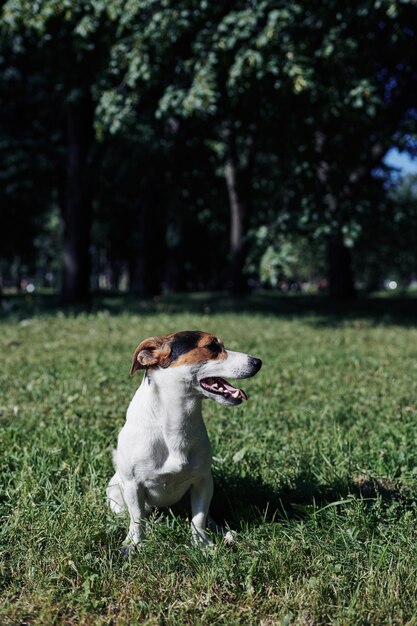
[(166, 116), (28, 152), (69, 42), (324, 88), (168, 36)]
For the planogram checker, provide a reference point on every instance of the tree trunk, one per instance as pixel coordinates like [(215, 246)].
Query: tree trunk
[(137, 274), (339, 268), (174, 275), (238, 173), (374, 279), (146, 259), (237, 216), (174, 270), (78, 209)]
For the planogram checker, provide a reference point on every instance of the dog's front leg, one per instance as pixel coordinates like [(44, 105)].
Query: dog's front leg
[(201, 494), (134, 496)]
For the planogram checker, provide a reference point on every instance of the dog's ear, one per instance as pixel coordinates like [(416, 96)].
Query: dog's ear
[(152, 351)]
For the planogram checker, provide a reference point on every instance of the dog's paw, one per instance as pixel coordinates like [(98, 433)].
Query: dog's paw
[(128, 551), (201, 538)]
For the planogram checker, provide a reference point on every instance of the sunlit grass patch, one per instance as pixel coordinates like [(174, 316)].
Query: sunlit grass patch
[(317, 473)]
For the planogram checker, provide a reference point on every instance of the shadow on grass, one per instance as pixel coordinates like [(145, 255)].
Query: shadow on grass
[(240, 502), (316, 310), (249, 500)]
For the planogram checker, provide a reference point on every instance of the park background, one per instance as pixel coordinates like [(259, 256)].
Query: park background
[(244, 168), (169, 147)]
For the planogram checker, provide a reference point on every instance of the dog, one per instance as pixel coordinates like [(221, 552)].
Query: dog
[(163, 450)]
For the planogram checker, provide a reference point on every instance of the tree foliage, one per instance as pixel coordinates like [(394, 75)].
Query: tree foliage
[(193, 125)]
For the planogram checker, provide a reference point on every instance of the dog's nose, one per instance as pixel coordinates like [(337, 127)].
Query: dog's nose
[(255, 363)]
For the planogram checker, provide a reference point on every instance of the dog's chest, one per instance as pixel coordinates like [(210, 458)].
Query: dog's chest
[(174, 471), (166, 484), (164, 450), (173, 463)]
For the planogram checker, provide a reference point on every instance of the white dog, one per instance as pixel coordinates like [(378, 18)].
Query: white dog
[(163, 450)]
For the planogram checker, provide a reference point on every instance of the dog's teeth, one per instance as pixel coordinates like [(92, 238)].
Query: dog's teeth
[(235, 394), (221, 389), (215, 386)]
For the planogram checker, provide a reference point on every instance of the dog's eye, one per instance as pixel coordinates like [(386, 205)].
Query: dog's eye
[(214, 346)]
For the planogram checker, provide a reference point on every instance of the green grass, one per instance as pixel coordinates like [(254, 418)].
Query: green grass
[(317, 472)]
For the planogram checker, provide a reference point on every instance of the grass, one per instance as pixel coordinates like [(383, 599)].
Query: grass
[(317, 472)]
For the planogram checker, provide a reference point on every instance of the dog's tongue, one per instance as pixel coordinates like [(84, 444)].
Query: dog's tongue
[(232, 390), (220, 385)]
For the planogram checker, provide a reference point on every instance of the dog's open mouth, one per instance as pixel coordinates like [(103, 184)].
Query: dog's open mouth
[(221, 387)]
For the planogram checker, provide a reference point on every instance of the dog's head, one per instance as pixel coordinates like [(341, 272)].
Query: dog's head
[(199, 360)]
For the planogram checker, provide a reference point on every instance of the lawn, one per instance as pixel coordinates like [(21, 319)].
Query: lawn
[(317, 471)]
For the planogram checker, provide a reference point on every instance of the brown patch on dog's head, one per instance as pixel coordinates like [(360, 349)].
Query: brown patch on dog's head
[(188, 347), (191, 347), (151, 351)]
